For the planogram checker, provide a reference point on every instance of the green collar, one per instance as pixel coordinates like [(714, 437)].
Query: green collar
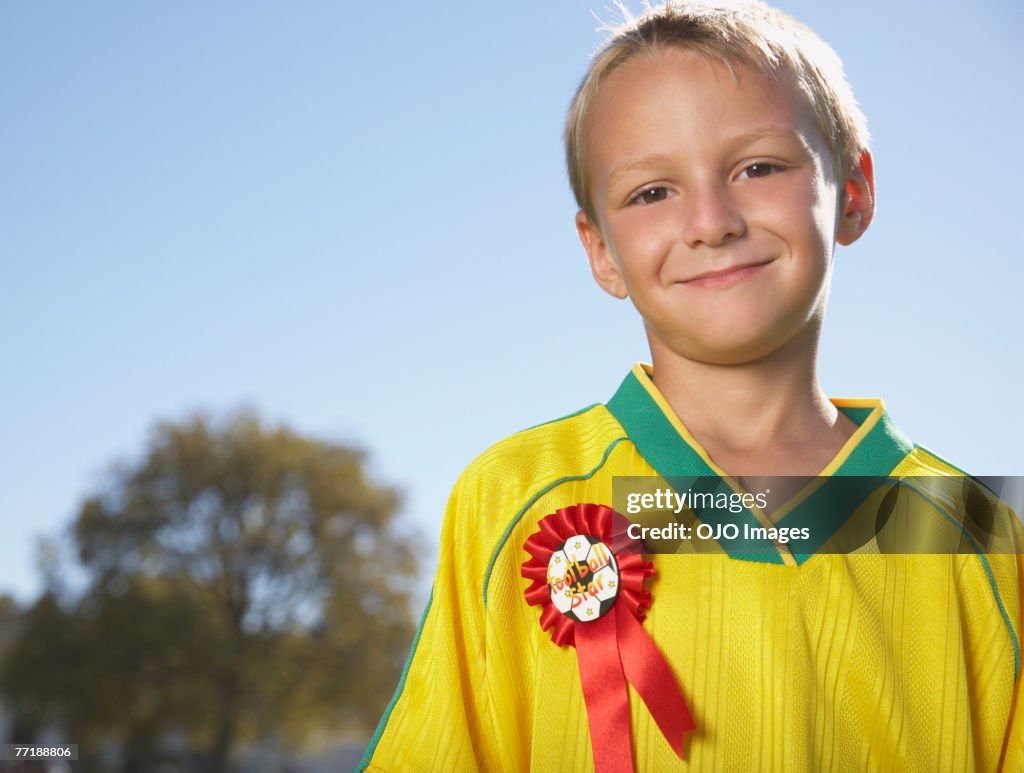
[(873, 452)]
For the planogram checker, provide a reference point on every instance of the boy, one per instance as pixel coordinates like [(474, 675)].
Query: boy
[(717, 156)]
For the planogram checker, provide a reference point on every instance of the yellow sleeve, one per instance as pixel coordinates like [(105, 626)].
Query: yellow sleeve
[(436, 717), (1013, 746)]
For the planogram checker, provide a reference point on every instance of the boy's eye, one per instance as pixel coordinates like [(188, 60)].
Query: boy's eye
[(650, 195), (760, 169)]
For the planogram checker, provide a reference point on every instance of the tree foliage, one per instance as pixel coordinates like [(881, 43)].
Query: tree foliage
[(244, 583)]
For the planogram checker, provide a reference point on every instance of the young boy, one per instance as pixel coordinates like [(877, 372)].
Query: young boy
[(717, 156)]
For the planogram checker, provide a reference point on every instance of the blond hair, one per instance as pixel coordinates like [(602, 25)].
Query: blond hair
[(745, 32)]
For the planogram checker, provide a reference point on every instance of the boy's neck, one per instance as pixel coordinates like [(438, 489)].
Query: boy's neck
[(770, 417)]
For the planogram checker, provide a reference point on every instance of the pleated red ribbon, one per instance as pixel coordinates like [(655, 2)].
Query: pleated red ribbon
[(613, 649)]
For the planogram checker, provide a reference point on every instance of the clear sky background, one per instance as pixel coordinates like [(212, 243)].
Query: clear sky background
[(354, 217)]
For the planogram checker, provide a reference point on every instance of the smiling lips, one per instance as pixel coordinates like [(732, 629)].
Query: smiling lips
[(725, 277)]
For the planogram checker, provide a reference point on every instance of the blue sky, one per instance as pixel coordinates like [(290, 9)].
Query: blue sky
[(355, 218)]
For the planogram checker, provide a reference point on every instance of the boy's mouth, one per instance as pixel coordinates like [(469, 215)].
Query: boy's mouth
[(726, 277)]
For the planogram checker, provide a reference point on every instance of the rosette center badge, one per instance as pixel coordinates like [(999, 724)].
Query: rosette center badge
[(583, 578)]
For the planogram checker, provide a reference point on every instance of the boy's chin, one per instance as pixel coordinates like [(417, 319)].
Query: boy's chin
[(729, 350)]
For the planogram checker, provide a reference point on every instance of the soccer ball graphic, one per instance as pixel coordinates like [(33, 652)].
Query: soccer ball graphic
[(583, 578)]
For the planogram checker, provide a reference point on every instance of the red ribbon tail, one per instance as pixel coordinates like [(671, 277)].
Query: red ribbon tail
[(647, 670), (605, 693)]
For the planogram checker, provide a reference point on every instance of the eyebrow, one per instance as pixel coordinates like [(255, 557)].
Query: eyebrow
[(652, 159), (739, 140)]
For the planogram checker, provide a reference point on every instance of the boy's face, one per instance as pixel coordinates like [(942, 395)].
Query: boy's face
[(717, 206)]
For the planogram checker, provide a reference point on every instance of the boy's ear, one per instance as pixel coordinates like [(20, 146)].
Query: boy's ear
[(602, 264), (858, 201)]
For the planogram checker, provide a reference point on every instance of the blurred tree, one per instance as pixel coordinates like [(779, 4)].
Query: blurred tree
[(8, 606), (244, 583)]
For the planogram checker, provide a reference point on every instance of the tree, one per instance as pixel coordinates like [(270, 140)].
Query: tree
[(244, 582)]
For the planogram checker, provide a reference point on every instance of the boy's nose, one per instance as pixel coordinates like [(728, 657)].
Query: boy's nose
[(712, 216)]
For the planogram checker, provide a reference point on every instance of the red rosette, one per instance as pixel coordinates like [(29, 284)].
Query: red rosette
[(612, 646), (609, 527)]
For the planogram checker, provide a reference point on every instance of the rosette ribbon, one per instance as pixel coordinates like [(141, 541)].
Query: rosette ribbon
[(613, 649)]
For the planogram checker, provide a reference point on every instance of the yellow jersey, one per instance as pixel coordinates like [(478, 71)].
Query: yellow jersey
[(788, 660)]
